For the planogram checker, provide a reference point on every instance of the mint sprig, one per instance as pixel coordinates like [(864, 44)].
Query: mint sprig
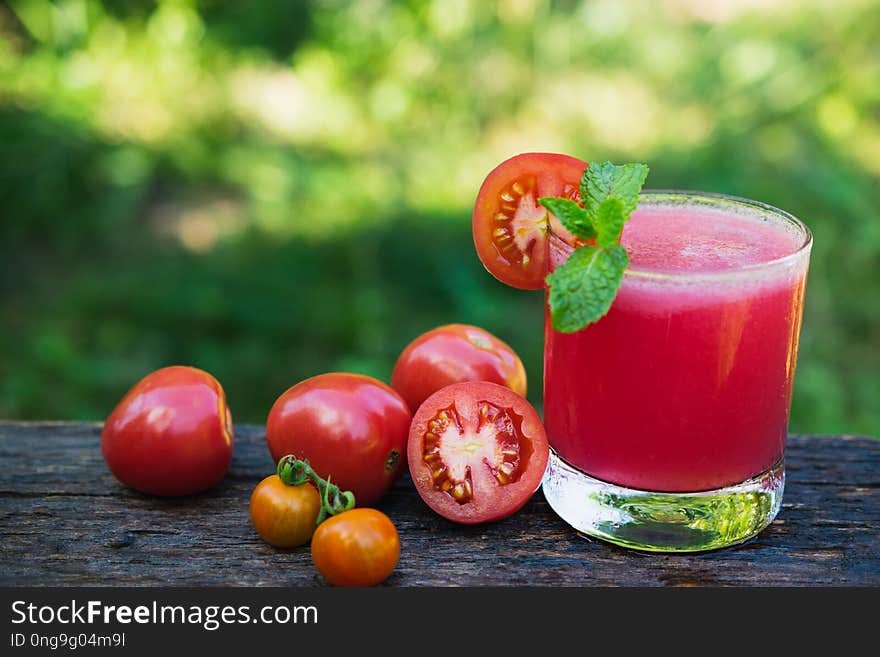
[(583, 288)]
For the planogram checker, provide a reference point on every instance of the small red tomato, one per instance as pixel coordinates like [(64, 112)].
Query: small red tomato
[(171, 434), (477, 452), (454, 354), (510, 226), (350, 427), (285, 516), (356, 548)]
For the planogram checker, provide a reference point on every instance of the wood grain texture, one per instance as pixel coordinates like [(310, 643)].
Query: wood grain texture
[(66, 521)]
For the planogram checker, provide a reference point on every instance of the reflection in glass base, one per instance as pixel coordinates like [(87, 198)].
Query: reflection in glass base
[(663, 522)]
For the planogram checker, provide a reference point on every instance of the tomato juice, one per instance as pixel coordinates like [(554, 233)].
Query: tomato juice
[(685, 385)]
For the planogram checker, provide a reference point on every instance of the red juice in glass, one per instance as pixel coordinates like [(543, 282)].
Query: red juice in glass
[(668, 416)]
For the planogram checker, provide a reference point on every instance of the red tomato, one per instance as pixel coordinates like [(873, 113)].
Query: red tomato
[(477, 452), (510, 226), (356, 548), (171, 434), (453, 354), (350, 427)]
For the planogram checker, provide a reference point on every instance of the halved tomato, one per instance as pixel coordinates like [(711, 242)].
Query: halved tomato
[(510, 226), (477, 452)]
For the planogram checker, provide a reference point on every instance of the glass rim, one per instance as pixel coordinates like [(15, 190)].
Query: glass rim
[(723, 200)]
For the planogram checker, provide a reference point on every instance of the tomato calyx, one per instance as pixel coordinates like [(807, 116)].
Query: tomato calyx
[(392, 460), (296, 472)]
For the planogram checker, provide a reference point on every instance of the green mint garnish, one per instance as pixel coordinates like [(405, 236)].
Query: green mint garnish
[(583, 288), (609, 219)]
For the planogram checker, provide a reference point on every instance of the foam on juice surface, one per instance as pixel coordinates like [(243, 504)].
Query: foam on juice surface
[(697, 240)]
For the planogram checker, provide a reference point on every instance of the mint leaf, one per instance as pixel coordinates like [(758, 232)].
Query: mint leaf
[(609, 219), (582, 289), (605, 180), (572, 216)]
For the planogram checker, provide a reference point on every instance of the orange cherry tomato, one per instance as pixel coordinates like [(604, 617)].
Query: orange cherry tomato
[(356, 548), (284, 516)]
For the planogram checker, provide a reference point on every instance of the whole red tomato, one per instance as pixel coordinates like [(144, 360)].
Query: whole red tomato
[(351, 428), (455, 353), (171, 434)]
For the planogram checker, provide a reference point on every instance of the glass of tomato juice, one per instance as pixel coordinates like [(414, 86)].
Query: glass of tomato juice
[(668, 417)]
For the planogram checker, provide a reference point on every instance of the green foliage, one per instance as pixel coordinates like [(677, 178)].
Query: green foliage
[(273, 192)]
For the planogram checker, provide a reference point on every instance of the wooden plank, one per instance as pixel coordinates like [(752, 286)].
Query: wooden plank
[(67, 521)]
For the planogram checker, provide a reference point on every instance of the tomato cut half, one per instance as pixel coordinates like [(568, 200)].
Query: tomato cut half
[(477, 452), (510, 226)]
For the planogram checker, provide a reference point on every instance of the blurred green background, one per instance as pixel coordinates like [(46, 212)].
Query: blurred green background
[(272, 190)]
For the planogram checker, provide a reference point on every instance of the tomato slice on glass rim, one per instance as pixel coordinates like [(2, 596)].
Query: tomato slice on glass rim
[(510, 226), (477, 452)]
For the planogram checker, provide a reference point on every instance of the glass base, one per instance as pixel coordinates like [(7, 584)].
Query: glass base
[(663, 522)]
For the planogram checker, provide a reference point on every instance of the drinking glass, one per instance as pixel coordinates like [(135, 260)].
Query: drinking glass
[(667, 418)]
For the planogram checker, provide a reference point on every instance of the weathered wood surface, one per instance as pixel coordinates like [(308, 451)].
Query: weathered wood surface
[(66, 521)]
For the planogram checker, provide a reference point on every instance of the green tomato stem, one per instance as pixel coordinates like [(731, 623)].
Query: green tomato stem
[(296, 472)]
